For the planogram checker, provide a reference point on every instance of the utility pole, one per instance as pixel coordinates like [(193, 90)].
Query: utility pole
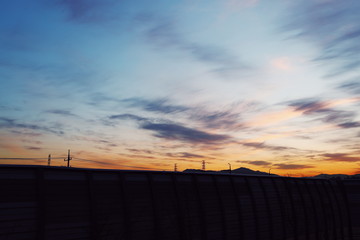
[(49, 159), (229, 168), (68, 159), (175, 167), (203, 165)]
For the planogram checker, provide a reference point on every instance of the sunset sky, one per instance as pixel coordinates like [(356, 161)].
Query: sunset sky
[(146, 84)]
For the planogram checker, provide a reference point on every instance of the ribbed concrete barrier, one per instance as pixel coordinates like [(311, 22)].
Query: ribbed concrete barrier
[(352, 190), (56, 203)]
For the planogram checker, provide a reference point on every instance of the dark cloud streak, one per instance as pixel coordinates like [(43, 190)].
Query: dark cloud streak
[(257, 163), (262, 145), (342, 119), (308, 106), (352, 86), (160, 105), (12, 123), (61, 112), (185, 155), (33, 148), (349, 125), (181, 133), (291, 166), (340, 157), (218, 120), (224, 119), (127, 117)]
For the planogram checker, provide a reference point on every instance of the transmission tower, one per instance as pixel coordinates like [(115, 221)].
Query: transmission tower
[(203, 165)]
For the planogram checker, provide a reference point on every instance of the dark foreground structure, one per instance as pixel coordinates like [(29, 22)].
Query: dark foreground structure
[(57, 203)]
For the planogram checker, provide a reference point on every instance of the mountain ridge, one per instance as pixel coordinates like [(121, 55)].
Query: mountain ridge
[(248, 171)]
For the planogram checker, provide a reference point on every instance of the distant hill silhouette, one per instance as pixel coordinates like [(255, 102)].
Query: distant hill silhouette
[(336, 176), (242, 171), (247, 171)]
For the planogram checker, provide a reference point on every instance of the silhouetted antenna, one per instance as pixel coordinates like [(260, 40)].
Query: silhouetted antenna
[(49, 159), (68, 159), (203, 165), (175, 167)]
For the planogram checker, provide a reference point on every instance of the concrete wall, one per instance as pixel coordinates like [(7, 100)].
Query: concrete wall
[(64, 203), (352, 190)]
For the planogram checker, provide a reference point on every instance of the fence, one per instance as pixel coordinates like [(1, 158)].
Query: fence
[(53, 203)]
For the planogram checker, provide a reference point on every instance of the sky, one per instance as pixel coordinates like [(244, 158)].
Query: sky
[(267, 85)]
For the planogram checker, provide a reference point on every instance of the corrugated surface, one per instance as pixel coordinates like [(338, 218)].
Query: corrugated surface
[(352, 190), (64, 203)]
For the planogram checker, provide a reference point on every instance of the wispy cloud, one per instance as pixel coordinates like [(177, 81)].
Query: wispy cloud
[(227, 119), (333, 116), (31, 141), (87, 11), (218, 119), (33, 148), (26, 132), (340, 157), (334, 26), (12, 123), (163, 33), (342, 119), (262, 145), (181, 156), (61, 112), (127, 117), (185, 155), (352, 86), (184, 134), (291, 166), (144, 151), (159, 105), (137, 156), (308, 106), (99, 142), (173, 131), (349, 124), (100, 99), (257, 163), (324, 109)]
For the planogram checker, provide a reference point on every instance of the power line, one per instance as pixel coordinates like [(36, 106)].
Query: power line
[(30, 158), (117, 165), (49, 158)]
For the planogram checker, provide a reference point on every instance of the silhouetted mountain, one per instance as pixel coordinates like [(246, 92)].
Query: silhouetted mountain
[(242, 170), (336, 176), (248, 171)]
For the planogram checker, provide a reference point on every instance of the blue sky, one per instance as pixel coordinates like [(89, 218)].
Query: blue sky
[(147, 84)]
